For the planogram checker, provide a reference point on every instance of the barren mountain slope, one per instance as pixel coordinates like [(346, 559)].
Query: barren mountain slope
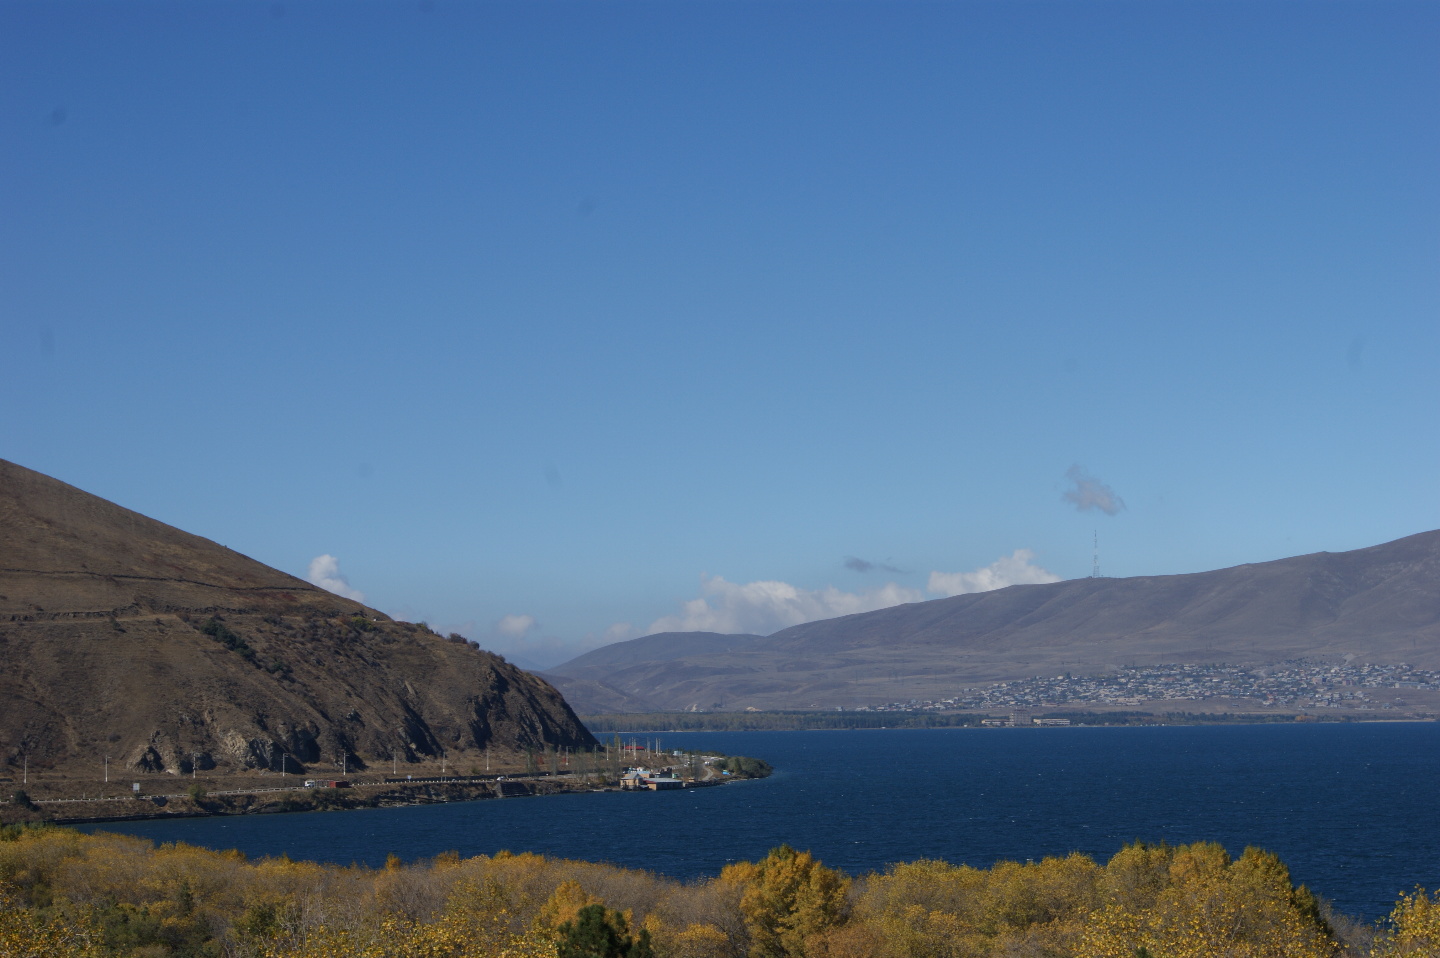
[(121, 635)]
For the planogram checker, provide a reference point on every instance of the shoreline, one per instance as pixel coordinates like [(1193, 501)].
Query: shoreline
[(808, 721), (360, 794), (988, 728)]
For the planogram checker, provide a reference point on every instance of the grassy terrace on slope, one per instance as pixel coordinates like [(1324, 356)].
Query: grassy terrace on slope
[(106, 896)]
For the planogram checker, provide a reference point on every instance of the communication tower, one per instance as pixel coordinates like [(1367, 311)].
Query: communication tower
[(1095, 568)]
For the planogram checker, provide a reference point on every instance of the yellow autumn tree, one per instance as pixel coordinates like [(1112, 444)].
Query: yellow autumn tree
[(932, 909), (922, 909), (788, 897), (564, 905), (1414, 928), (1211, 906), (697, 940), (479, 921), (24, 933)]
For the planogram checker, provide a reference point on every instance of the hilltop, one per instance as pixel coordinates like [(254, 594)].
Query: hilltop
[(1375, 605), (128, 638)]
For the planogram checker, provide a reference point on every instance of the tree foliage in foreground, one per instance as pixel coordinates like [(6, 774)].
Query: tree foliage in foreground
[(68, 895), (598, 932)]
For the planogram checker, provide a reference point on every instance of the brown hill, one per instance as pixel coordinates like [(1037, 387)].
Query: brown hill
[(1380, 604), (123, 636)]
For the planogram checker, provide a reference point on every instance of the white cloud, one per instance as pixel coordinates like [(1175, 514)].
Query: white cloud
[(1014, 569), (768, 606), (515, 626), (621, 632), (1090, 493), (325, 572)]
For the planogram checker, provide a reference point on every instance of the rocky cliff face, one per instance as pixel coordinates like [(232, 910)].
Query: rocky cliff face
[(125, 637)]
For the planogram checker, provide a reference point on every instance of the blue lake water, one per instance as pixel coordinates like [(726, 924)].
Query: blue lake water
[(1352, 809)]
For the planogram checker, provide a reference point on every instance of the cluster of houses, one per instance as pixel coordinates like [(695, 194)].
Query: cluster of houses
[(654, 779), (1017, 719), (1296, 684)]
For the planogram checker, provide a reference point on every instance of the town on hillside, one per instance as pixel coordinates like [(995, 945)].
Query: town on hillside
[(1300, 685)]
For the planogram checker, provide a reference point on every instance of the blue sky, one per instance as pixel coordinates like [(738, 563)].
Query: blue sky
[(551, 323)]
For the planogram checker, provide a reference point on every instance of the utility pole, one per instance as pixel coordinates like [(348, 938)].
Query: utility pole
[(107, 769)]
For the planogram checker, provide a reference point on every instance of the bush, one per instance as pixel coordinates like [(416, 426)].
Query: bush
[(743, 766), (232, 640)]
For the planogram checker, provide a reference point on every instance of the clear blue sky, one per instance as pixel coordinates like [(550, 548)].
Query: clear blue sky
[(543, 320)]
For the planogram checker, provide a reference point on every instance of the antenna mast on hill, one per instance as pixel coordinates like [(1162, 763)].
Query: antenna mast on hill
[(1095, 569)]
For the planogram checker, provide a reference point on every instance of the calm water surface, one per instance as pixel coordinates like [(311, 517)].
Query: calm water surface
[(1352, 809)]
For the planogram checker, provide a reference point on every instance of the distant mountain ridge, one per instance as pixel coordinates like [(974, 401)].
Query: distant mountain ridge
[(602, 696), (126, 637), (1379, 604)]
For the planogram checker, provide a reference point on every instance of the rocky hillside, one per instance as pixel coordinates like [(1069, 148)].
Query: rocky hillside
[(125, 637)]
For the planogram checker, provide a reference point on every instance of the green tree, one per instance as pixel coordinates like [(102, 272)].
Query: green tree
[(599, 933)]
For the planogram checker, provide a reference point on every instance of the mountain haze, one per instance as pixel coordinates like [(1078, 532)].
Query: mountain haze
[(600, 696), (1379, 604), (126, 637)]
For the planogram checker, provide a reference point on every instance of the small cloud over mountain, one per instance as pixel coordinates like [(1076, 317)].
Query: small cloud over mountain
[(325, 572), (1014, 569), (769, 606), (1087, 493), (520, 638), (621, 632), (515, 626)]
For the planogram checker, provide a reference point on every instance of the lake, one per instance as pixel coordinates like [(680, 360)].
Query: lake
[(1351, 808)]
